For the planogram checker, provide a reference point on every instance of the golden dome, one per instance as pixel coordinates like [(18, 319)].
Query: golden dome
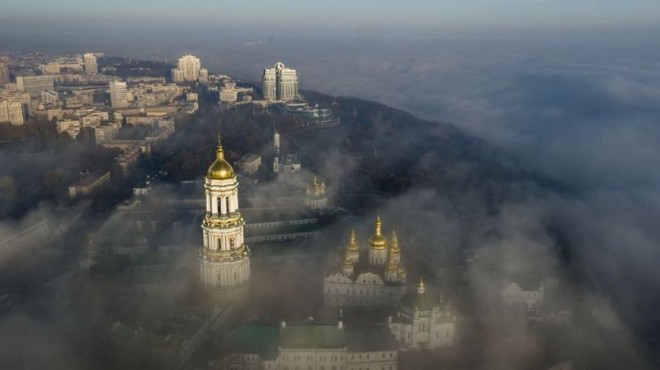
[(220, 169), (392, 266), (378, 241), (353, 245), (348, 262), (394, 249)]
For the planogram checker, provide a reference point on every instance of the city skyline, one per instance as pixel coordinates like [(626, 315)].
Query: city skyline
[(400, 185)]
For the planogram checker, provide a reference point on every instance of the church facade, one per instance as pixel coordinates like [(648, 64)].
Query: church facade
[(377, 279), (224, 259), (423, 321)]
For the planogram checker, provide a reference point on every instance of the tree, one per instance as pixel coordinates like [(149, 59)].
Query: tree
[(7, 194)]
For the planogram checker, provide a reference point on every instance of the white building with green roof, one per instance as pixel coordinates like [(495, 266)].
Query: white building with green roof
[(309, 346)]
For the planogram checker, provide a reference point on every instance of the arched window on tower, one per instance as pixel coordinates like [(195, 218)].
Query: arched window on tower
[(228, 205), (219, 205), (232, 242)]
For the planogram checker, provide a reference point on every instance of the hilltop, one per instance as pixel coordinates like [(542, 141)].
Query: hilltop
[(377, 151)]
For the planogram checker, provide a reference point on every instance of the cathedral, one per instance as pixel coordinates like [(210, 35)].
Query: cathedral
[(224, 259), (377, 279), (424, 321)]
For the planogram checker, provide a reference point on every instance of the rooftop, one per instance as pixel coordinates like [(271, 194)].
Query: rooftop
[(312, 336), (374, 338), (259, 339)]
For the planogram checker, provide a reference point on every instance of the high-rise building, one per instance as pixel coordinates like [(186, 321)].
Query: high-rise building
[(89, 60), (280, 83), (4, 73), (34, 85), (12, 112), (190, 67), (177, 75), (224, 257), (204, 75), (118, 94), (269, 83), (287, 83)]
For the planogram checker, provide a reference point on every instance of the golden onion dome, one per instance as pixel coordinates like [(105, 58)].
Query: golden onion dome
[(378, 241), (392, 266), (348, 262), (353, 245), (394, 249), (220, 169)]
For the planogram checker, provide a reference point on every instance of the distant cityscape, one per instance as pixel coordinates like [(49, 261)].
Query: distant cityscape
[(265, 211)]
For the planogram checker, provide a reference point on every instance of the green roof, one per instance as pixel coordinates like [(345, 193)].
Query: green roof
[(258, 339), (373, 338), (312, 336)]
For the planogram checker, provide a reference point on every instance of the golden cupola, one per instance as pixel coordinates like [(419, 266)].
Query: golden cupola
[(220, 169), (348, 265), (378, 241), (353, 245), (394, 248), (394, 257), (353, 250)]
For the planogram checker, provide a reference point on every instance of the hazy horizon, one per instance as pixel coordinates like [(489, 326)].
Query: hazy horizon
[(359, 13), (568, 90)]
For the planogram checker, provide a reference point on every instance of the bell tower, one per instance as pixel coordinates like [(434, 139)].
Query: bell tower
[(224, 258)]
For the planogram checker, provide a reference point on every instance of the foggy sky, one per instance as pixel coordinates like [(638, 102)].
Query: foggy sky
[(335, 14)]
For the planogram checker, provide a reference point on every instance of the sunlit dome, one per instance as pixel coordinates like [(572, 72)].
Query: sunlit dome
[(378, 241), (220, 169)]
